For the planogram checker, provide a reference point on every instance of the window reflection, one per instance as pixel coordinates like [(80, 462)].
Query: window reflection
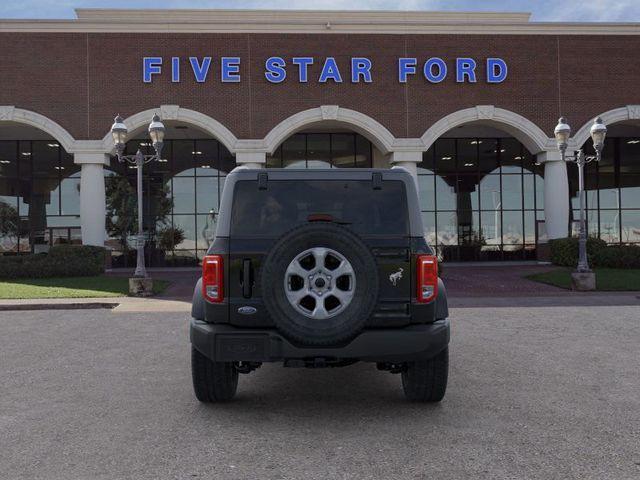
[(485, 204), (190, 178), (39, 196)]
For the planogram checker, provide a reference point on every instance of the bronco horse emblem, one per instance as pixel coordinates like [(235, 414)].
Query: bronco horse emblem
[(394, 277)]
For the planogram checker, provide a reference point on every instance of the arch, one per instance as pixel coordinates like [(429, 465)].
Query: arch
[(177, 113), (9, 113), (527, 132), (382, 138), (629, 112)]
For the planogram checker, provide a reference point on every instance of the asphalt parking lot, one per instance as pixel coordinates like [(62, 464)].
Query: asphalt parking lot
[(548, 392)]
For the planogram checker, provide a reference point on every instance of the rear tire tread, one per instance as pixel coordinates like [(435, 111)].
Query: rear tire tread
[(426, 381), (213, 381)]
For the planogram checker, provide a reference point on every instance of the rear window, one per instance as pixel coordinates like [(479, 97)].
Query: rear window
[(287, 203)]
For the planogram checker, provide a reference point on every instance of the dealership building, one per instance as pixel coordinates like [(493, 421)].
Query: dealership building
[(467, 102)]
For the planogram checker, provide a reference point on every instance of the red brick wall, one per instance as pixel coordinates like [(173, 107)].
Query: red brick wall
[(82, 80)]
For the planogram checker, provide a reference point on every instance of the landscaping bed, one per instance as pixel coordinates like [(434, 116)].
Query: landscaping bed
[(71, 287), (607, 279)]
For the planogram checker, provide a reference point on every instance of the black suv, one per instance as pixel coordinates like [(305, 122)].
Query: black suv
[(319, 268)]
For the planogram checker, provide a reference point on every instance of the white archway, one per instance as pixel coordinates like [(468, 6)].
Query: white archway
[(9, 113), (177, 113), (382, 138), (527, 132), (630, 112)]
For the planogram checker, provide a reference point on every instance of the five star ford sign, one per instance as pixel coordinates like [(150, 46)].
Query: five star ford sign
[(361, 69)]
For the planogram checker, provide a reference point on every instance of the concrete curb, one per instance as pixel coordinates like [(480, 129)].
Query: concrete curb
[(57, 306)]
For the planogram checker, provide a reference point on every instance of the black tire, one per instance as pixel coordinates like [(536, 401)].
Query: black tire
[(213, 381), (426, 381), (343, 326)]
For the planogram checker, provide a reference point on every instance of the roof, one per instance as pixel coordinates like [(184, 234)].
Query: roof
[(310, 21)]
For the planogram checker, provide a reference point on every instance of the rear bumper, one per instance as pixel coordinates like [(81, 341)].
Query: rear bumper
[(224, 343)]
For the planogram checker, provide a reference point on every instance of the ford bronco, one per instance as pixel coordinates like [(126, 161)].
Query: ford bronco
[(319, 268)]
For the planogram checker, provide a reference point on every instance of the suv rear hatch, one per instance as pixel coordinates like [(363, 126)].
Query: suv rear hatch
[(265, 209)]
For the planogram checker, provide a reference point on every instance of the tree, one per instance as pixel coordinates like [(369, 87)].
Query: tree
[(9, 221), (122, 209)]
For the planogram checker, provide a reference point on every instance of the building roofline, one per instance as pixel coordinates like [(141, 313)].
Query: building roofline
[(311, 22)]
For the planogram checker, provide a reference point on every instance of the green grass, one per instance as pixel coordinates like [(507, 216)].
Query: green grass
[(71, 287), (607, 279)]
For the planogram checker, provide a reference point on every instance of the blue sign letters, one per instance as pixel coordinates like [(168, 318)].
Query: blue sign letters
[(434, 69)]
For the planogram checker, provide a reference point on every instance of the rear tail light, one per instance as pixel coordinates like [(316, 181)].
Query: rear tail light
[(427, 278), (213, 278)]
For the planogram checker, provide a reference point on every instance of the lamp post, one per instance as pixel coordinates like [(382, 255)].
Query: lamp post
[(562, 133), (119, 133)]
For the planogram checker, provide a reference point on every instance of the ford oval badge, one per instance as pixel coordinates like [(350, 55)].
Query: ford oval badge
[(246, 310)]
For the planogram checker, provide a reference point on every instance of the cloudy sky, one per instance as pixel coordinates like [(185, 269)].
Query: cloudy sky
[(543, 10)]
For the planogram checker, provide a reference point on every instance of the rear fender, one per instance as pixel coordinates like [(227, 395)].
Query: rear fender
[(442, 306), (197, 304)]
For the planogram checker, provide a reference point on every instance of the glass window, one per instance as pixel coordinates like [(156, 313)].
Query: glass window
[(363, 152), (285, 204), (294, 152), (447, 228), (429, 226), (445, 194), (426, 189), (512, 228), (206, 157), (275, 160), (207, 195), (8, 159), (511, 192), (630, 226), (446, 156), (610, 226), (70, 196), (467, 155), (427, 164), (490, 192), (488, 155), (630, 191), (318, 150), (45, 157), (188, 225), (184, 152), (343, 149), (511, 155), (183, 190), (629, 155)]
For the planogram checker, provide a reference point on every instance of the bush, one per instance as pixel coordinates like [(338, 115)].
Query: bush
[(61, 261), (564, 251), (618, 256)]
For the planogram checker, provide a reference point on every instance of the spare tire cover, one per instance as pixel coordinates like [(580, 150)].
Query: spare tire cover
[(319, 284)]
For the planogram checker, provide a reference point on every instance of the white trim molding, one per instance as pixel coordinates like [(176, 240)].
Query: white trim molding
[(179, 114), (629, 112), (363, 124), (523, 129), (10, 113), (310, 21)]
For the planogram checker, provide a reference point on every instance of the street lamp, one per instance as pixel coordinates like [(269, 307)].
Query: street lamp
[(598, 133), (119, 133)]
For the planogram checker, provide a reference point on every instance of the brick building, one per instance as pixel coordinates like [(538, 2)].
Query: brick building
[(466, 101)]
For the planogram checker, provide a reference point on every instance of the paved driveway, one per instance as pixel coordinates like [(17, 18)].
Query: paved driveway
[(534, 393)]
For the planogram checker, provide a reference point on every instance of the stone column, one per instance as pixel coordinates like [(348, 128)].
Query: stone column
[(408, 160), (92, 197), (556, 194), (251, 159)]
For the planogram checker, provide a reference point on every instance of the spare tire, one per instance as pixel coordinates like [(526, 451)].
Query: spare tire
[(319, 284)]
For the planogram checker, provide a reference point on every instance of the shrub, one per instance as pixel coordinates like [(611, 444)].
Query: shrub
[(564, 251), (618, 256), (61, 261)]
